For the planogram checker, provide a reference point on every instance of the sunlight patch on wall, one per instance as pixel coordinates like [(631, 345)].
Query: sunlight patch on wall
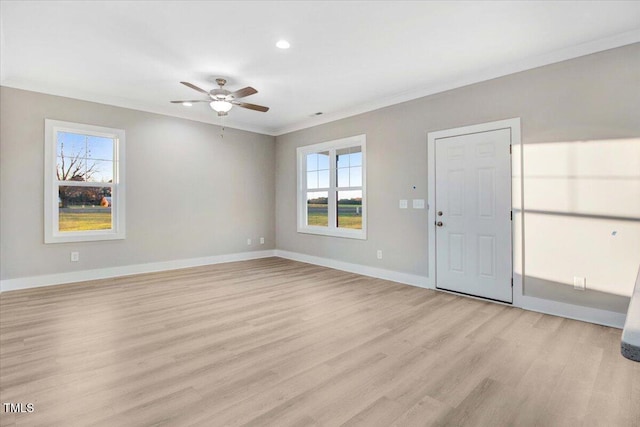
[(582, 212)]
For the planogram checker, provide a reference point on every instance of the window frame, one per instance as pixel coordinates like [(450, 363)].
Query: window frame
[(301, 167), (51, 183)]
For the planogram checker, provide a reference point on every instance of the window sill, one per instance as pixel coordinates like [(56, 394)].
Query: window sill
[(344, 233), (71, 237)]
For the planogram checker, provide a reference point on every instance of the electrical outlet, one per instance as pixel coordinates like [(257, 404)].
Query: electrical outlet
[(403, 204), (248, 242), (379, 254), (75, 256), (579, 283), (262, 240)]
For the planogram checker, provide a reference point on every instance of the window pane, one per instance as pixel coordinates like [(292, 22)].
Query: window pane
[(342, 158), (323, 160), (71, 151), (70, 144), (355, 157), (312, 180), (356, 177), (318, 208), (323, 179), (99, 171), (100, 148), (312, 162), (84, 208), (350, 209), (343, 177)]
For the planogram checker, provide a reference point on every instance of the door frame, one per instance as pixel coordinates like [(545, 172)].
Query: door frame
[(517, 194)]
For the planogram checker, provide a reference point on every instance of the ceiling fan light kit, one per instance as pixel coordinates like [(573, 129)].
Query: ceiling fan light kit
[(221, 100), (221, 106)]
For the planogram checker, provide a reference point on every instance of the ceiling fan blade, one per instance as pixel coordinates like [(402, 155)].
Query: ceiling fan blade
[(194, 87), (251, 106), (190, 100), (243, 92)]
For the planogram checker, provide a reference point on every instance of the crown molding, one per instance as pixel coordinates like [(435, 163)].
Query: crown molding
[(556, 56), (130, 105), (559, 55)]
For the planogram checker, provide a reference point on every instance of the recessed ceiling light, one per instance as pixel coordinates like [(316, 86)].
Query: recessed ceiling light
[(283, 44), (187, 104)]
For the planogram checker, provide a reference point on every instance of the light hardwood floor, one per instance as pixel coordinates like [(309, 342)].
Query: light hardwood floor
[(281, 343)]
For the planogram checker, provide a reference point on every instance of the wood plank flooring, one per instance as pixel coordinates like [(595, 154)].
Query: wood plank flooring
[(273, 342)]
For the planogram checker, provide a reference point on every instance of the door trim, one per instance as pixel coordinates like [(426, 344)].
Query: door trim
[(517, 194)]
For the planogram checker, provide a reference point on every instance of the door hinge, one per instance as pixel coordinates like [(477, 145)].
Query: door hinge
[(511, 215), (512, 282), (510, 148)]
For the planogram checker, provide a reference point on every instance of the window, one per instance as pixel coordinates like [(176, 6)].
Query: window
[(331, 188), (84, 182)]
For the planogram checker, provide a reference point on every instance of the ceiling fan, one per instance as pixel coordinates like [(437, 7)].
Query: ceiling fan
[(221, 100)]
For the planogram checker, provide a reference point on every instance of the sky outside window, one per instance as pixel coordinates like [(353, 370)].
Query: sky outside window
[(93, 156)]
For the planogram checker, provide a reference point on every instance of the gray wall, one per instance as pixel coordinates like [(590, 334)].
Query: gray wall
[(594, 98), (190, 193)]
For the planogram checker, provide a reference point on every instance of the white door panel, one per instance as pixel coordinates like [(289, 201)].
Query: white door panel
[(473, 214)]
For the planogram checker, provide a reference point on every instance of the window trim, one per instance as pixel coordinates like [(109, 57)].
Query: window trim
[(51, 183), (301, 200)]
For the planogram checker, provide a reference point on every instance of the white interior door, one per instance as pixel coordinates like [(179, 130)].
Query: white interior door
[(473, 214)]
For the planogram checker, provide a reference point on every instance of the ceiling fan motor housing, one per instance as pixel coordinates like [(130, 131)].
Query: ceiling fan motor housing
[(220, 94)]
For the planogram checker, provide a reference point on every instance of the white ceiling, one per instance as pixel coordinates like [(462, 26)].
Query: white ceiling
[(345, 57)]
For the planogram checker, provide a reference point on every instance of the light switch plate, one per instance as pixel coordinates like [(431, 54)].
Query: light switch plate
[(404, 204), (418, 203)]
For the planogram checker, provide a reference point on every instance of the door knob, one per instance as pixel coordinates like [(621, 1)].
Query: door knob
[(439, 213), (439, 223)]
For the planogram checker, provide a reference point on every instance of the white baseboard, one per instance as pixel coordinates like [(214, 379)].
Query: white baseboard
[(127, 270), (380, 273), (571, 311), (585, 314)]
